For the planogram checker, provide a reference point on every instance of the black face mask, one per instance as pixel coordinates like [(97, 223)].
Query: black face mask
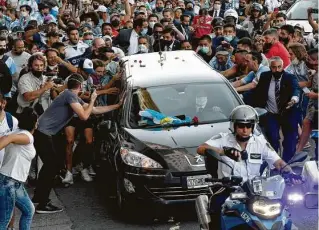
[(62, 56), (190, 8), (267, 47), (37, 73), (115, 23), (2, 51), (167, 43), (277, 74), (18, 53), (95, 7), (284, 40)]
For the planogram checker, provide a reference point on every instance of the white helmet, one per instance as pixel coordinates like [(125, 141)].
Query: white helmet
[(243, 114), (231, 13)]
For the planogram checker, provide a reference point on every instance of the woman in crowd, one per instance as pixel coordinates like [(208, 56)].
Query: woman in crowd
[(19, 152)]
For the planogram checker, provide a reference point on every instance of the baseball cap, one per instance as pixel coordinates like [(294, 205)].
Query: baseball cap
[(102, 9), (107, 37), (48, 19), (218, 24), (222, 51), (299, 27), (86, 65)]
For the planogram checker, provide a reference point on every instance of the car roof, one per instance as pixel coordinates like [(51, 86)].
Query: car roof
[(177, 67)]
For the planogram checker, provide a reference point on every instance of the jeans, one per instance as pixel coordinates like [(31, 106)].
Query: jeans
[(46, 149), (13, 193)]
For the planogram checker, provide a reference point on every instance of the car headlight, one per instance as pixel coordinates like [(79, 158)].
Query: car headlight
[(266, 209), (136, 159)]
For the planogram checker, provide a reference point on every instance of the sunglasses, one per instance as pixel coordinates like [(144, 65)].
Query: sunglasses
[(244, 125)]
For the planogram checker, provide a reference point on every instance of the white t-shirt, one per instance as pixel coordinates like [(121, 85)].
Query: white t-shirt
[(17, 158), (5, 130)]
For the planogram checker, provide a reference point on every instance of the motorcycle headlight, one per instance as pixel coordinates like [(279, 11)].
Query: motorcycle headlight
[(136, 159), (266, 209)]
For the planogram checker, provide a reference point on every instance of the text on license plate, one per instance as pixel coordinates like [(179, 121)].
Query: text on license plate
[(197, 181)]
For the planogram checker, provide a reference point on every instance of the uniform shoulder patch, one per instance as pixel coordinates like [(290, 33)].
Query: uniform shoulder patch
[(269, 146), (216, 137)]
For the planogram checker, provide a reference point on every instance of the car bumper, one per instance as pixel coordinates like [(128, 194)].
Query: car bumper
[(164, 189)]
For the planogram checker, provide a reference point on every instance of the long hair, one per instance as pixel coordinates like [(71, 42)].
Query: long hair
[(299, 51)]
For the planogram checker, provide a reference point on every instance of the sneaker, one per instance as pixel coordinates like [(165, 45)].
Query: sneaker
[(91, 171), (48, 208), (68, 178), (77, 169), (85, 175)]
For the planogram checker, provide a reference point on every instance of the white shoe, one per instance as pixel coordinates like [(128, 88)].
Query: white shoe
[(68, 178), (77, 169), (91, 171), (86, 176)]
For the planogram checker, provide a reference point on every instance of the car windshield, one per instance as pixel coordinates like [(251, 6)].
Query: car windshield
[(208, 102), (299, 10)]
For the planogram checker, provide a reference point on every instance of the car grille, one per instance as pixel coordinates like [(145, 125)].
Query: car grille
[(178, 193)]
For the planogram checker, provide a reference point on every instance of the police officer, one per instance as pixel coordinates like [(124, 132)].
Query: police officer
[(242, 149)]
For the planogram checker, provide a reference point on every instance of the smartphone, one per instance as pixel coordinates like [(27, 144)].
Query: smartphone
[(276, 9), (305, 90), (314, 11)]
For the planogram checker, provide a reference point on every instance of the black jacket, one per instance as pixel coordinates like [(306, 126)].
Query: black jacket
[(156, 47), (5, 78)]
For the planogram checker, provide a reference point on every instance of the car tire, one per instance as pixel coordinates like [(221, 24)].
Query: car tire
[(121, 202)]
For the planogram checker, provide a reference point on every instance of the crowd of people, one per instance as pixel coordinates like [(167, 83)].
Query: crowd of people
[(60, 67)]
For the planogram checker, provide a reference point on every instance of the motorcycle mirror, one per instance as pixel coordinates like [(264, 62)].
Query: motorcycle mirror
[(218, 158), (311, 200), (260, 111)]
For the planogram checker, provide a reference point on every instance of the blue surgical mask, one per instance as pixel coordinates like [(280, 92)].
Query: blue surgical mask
[(144, 31), (88, 42), (204, 49), (228, 38)]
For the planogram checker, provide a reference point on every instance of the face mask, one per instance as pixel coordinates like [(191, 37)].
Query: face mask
[(62, 56), (37, 73), (295, 61), (156, 35), (159, 9), (18, 53), (277, 74), (2, 51), (217, 7), (201, 102), (167, 43), (144, 31), (115, 23), (284, 40), (204, 49), (142, 48), (95, 7), (267, 47), (151, 24), (88, 42), (24, 14), (228, 38), (190, 8)]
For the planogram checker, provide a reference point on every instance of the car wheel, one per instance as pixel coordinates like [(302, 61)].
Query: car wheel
[(121, 202)]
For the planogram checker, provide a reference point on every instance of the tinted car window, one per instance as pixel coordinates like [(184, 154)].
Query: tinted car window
[(210, 102), (299, 10)]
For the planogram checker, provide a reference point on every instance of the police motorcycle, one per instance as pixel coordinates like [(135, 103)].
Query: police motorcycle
[(258, 203)]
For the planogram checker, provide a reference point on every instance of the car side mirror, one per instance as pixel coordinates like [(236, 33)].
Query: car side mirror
[(311, 200)]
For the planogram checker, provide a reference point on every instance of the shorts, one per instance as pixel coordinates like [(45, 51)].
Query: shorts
[(79, 124), (311, 111)]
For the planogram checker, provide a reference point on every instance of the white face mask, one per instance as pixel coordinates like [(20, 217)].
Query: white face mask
[(201, 102), (295, 61), (217, 7), (142, 48), (151, 24), (24, 14)]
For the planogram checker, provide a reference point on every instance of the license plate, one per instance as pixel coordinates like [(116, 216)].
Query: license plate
[(197, 181)]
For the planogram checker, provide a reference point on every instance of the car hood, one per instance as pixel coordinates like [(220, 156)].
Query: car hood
[(175, 147), (304, 23)]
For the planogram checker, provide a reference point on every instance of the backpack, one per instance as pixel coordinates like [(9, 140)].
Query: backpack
[(9, 120)]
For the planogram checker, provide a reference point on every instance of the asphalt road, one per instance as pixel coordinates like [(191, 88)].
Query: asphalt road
[(88, 207)]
